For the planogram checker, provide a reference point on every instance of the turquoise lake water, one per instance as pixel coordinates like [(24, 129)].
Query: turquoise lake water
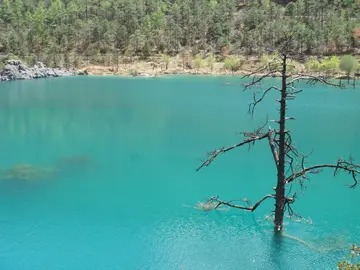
[(120, 186)]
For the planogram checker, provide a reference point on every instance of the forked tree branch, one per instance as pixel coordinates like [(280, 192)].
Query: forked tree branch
[(214, 154), (257, 79), (312, 80), (219, 202), (257, 100), (341, 165)]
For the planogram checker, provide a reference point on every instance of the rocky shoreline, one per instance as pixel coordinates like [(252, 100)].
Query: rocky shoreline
[(16, 70)]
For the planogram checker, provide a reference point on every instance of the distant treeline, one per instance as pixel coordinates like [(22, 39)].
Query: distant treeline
[(44, 29)]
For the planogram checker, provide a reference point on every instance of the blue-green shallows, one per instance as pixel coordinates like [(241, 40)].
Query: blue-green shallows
[(99, 173)]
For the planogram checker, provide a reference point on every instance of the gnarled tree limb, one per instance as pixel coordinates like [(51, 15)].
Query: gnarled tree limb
[(257, 100), (341, 165), (255, 80), (312, 80), (214, 154), (229, 204)]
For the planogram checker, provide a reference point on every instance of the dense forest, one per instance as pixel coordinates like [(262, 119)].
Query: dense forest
[(56, 31)]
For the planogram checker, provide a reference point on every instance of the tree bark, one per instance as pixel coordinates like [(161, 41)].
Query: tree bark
[(280, 187)]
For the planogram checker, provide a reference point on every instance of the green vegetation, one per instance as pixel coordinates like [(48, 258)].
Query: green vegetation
[(233, 63), (60, 31), (210, 61), (330, 65), (354, 263), (166, 59), (313, 65), (198, 62), (348, 64)]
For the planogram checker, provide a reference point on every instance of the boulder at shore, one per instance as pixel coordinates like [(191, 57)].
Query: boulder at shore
[(16, 70)]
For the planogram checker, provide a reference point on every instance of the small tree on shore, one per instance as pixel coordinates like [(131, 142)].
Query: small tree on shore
[(198, 62), (289, 162), (166, 60), (210, 61), (128, 55), (348, 64), (185, 56)]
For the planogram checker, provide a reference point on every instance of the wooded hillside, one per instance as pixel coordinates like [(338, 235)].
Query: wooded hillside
[(56, 30)]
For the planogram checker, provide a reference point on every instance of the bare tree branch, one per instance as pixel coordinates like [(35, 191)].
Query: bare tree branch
[(214, 154), (251, 73), (219, 202), (257, 100), (302, 167), (341, 165), (312, 80), (292, 91), (257, 79), (256, 132)]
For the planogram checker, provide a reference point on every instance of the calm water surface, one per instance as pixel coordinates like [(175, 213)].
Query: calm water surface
[(113, 183)]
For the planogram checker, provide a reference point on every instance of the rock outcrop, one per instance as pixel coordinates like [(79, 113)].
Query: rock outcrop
[(16, 70)]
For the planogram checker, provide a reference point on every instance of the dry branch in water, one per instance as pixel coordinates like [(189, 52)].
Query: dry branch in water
[(215, 202), (289, 162), (214, 154), (347, 166)]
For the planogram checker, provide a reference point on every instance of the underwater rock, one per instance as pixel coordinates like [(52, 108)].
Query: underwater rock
[(26, 172)]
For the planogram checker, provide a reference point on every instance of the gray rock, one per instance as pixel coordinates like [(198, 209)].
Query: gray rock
[(83, 73), (22, 67), (39, 65), (13, 62), (15, 70), (12, 73)]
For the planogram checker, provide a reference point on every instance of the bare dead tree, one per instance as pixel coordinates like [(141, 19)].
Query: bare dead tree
[(289, 162)]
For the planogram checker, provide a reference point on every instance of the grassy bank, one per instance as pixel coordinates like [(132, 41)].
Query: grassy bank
[(157, 65), (332, 66)]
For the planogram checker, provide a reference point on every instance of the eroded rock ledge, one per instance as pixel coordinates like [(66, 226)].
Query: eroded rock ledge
[(16, 70)]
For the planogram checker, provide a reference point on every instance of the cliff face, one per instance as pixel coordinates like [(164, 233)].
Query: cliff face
[(16, 70)]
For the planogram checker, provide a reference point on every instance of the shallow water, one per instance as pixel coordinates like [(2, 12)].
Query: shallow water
[(122, 190)]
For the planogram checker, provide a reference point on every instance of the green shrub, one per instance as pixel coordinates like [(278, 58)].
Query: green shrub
[(354, 263), (165, 58), (198, 62), (233, 63), (330, 65), (210, 61), (348, 64), (313, 65), (31, 59)]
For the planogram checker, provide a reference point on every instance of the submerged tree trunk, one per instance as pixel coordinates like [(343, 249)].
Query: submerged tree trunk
[(285, 155), (280, 187)]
